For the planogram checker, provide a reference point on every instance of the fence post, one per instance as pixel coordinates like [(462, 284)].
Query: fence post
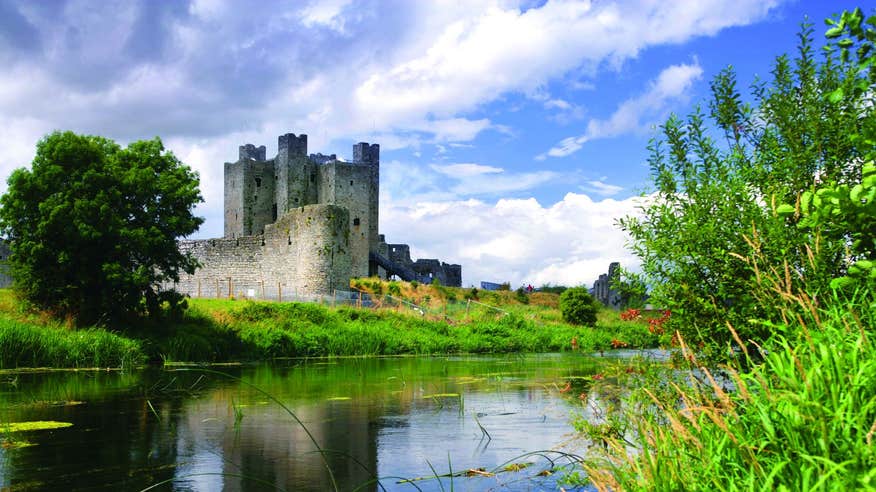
[(230, 290), (263, 290), (218, 292), (279, 292), (199, 287)]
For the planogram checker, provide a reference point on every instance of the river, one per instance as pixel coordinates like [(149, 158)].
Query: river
[(348, 424)]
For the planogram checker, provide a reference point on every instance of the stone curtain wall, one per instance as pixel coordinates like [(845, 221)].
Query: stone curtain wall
[(306, 251)]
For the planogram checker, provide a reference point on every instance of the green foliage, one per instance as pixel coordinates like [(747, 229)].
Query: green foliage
[(715, 222), (471, 294), (521, 296), (578, 306), (93, 227), (552, 289), (801, 420), (631, 288), (394, 289), (844, 212)]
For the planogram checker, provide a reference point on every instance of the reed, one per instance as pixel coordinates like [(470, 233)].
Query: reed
[(799, 415), (28, 345)]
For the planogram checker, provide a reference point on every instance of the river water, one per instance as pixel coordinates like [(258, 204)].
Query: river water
[(348, 424)]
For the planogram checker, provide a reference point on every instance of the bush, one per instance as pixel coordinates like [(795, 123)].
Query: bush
[(520, 295), (578, 306)]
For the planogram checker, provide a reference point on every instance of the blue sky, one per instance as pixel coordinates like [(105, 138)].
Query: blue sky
[(512, 133)]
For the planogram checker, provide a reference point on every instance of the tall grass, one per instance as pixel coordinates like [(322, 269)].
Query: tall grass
[(800, 417), (28, 345)]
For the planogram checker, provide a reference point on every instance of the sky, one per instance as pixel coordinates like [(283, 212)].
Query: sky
[(512, 133)]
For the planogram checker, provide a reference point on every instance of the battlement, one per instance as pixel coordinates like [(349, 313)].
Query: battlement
[(320, 158), (292, 145), (250, 151), (363, 153)]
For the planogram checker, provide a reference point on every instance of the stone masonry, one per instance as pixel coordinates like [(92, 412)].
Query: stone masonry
[(303, 223), (602, 290)]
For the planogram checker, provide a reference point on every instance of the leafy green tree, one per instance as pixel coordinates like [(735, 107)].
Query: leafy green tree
[(578, 307), (715, 226), (93, 226)]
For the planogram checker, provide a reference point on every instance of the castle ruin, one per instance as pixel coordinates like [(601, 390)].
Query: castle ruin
[(304, 223)]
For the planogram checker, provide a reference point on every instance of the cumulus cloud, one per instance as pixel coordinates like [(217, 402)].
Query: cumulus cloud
[(671, 85), (209, 75), (570, 242)]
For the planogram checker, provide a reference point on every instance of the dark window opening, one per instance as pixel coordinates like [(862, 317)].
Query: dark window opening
[(296, 200), (313, 178), (356, 221), (258, 182), (351, 182), (274, 212)]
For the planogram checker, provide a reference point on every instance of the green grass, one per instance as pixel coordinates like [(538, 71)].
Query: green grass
[(28, 345), (803, 418), (215, 330)]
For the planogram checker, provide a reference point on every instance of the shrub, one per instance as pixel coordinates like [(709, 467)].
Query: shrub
[(521, 296), (578, 306)]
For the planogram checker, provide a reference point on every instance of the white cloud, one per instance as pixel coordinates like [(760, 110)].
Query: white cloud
[(570, 242), (557, 104), (209, 75), (601, 188), (326, 13), (491, 51), (465, 169), (671, 85)]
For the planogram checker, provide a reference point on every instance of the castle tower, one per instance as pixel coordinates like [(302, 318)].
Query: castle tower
[(369, 156), (249, 192), (296, 176)]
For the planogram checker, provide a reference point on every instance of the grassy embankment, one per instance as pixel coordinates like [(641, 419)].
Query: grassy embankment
[(214, 330)]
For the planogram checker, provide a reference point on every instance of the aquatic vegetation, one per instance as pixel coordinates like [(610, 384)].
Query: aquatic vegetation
[(33, 426)]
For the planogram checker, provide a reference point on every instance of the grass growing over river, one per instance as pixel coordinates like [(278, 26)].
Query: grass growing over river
[(803, 417), (215, 330)]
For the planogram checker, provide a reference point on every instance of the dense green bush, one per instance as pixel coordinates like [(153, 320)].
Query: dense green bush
[(726, 210), (578, 306)]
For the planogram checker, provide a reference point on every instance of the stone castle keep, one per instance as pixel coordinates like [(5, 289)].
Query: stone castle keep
[(304, 224)]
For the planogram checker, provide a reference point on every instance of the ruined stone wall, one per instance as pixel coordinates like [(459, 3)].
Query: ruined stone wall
[(306, 251), (602, 290), (426, 269)]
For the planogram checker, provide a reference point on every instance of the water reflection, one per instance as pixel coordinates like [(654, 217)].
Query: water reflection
[(191, 430)]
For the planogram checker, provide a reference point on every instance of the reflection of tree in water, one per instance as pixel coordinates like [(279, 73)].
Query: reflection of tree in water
[(276, 449), (115, 443)]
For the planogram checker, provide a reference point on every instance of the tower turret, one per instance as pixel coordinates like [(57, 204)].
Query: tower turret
[(250, 151), (292, 145), (366, 154)]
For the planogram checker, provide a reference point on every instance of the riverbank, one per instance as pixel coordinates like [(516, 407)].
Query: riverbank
[(238, 330)]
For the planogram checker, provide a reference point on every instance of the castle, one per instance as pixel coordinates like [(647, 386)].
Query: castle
[(303, 223)]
